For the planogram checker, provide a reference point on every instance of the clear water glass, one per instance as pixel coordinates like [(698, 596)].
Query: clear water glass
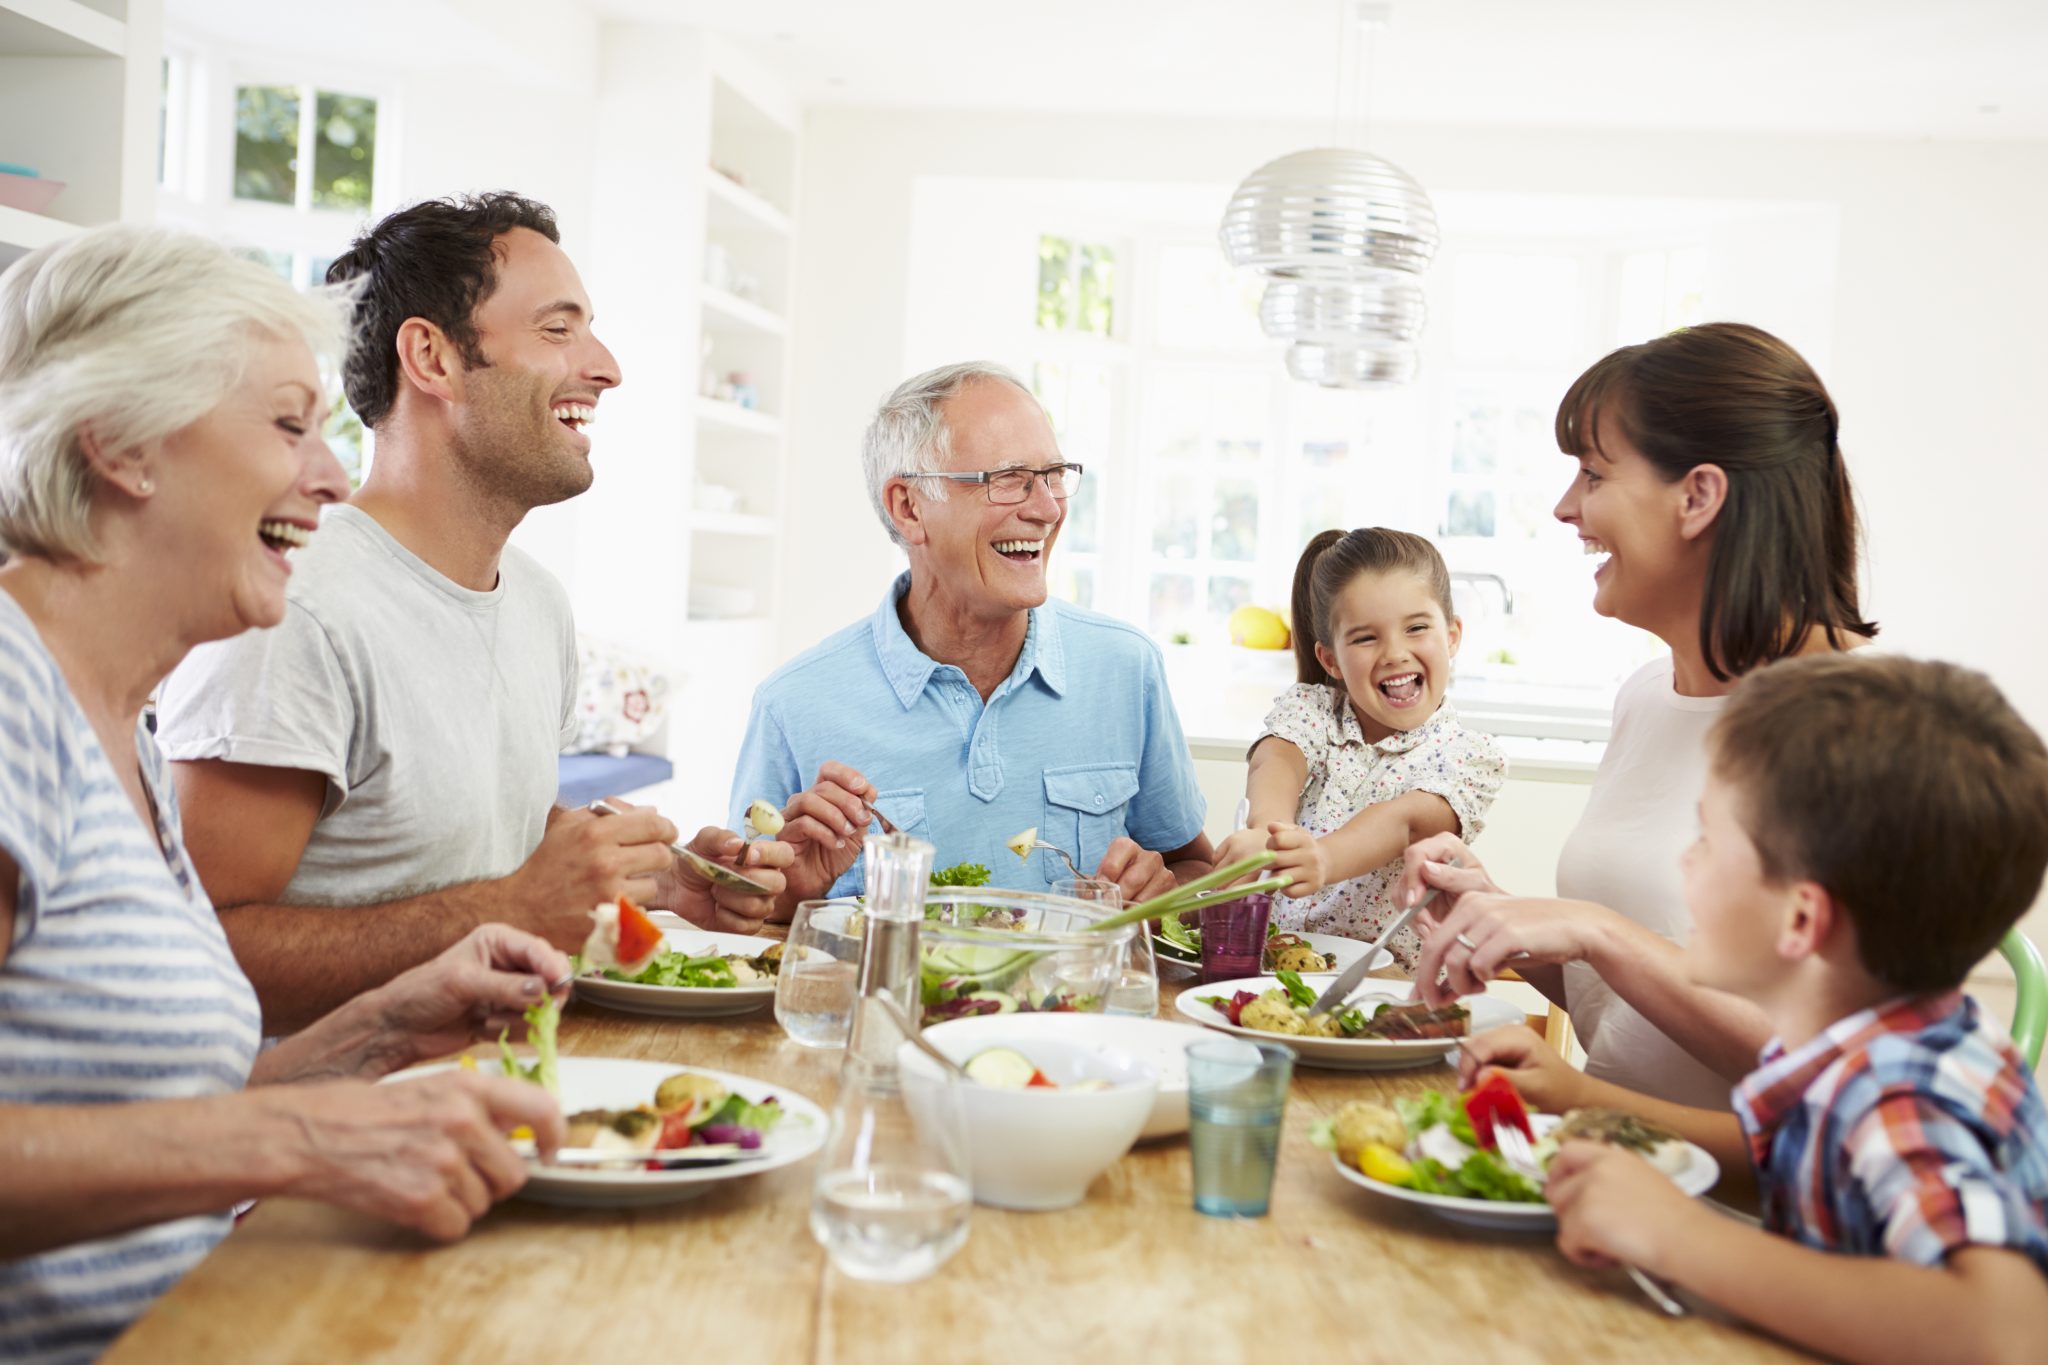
[(1136, 988), (819, 980), (1237, 1097)]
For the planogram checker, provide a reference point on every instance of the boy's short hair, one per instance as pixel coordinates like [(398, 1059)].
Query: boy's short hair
[(1910, 790)]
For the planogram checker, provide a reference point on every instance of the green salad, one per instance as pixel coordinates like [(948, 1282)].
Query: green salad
[(673, 968)]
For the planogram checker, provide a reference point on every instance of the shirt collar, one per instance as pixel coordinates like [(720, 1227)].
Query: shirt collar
[(909, 668), (1778, 1085), (1348, 732)]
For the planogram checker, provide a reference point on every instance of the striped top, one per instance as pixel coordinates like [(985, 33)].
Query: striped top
[(1907, 1130), (119, 986)]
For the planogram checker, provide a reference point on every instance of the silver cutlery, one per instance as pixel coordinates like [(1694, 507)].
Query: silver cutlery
[(717, 873), (1347, 980), (1520, 1154)]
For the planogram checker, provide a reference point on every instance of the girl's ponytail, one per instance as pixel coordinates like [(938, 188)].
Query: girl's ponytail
[(1302, 607)]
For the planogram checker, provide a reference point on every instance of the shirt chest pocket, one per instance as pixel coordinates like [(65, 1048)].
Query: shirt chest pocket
[(904, 806), (1085, 808)]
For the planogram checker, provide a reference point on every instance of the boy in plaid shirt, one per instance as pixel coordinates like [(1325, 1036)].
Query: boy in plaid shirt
[(1870, 828)]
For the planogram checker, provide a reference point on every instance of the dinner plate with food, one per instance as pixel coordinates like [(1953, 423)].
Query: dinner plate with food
[(1432, 1150), (655, 1133), (1179, 939), (632, 962), (1374, 1034)]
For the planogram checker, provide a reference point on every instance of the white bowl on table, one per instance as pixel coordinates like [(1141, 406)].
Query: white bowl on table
[(1161, 1044), (1038, 1148)]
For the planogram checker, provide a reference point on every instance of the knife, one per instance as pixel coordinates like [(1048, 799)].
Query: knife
[(1347, 981)]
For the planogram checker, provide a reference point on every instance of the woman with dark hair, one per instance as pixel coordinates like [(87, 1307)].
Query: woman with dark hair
[(1711, 484)]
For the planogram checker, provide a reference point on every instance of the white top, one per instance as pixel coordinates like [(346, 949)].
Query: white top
[(119, 986), (435, 713), (1640, 815), (1346, 774)]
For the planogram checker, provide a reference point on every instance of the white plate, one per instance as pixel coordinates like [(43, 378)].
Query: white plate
[(1345, 1054), (1161, 1044), (1695, 1178), (615, 1083), (702, 1002), (1342, 952)]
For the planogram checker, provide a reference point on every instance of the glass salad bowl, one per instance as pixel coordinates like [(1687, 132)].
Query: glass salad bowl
[(983, 950)]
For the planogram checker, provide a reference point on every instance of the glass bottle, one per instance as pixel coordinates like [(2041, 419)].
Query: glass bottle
[(892, 1195)]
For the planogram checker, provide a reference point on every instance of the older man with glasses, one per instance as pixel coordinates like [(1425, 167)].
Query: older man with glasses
[(969, 707)]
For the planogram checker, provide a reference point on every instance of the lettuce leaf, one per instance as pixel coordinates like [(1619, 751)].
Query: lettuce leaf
[(541, 1022)]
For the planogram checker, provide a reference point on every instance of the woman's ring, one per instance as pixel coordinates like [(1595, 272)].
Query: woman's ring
[(1468, 943)]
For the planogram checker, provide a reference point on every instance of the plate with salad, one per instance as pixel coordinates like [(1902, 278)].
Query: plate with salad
[(1373, 1035), (1437, 1150), (696, 973), (1179, 939)]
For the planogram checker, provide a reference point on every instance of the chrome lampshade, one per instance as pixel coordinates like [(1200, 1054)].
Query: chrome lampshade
[(1344, 236)]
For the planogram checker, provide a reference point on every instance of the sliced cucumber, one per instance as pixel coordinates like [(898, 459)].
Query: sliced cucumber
[(1001, 1068)]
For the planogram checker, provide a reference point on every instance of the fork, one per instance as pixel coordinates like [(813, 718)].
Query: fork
[(1065, 857), (1516, 1149)]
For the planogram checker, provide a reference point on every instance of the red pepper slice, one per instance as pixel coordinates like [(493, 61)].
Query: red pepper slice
[(1235, 1008), (639, 938), (1039, 1081), (675, 1127), (1494, 1100)]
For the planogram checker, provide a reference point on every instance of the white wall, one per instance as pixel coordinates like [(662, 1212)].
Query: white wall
[(1936, 348)]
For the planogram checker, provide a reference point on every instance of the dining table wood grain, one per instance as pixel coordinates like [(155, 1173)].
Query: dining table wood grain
[(1333, 1273)]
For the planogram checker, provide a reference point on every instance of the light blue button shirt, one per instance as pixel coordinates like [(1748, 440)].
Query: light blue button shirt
[(1081, 741)]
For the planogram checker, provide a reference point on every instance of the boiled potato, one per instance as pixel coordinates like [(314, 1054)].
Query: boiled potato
[(1361, 1122), (679, 1089)]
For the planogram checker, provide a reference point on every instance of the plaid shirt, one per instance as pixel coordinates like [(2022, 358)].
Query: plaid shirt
[(1907, 1130)]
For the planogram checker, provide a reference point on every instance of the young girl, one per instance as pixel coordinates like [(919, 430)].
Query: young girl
[(1363, 756)]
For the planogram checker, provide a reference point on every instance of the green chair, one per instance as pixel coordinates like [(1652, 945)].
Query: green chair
[(2030, 1000)]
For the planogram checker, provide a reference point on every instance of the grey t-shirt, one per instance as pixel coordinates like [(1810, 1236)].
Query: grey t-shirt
[(435, 713)]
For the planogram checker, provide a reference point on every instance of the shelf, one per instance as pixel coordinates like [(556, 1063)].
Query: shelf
[(735, 206), (27, 231), (733, 417), (722, 310), (731, 523), (58, 28)]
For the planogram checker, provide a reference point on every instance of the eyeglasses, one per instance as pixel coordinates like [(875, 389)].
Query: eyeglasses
[(1007, 487)]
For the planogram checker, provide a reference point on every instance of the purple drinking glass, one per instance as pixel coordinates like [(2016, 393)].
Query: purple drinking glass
[(1234, 937)]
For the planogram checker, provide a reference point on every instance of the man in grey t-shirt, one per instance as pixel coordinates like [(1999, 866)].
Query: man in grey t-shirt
[(367, 782)]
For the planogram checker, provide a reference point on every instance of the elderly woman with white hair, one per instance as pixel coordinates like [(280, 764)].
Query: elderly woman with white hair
[(160, 456), (969, 707)]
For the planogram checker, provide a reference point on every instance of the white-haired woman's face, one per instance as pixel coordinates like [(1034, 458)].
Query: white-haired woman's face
[(238, 490)]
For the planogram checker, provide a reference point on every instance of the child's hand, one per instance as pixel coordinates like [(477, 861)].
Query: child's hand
[(1241, 845), (1545, 1081), (1613, 1207), (1298, 854)]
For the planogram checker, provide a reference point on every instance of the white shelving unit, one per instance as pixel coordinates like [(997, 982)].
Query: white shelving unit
[(694, 220), (78, 101)]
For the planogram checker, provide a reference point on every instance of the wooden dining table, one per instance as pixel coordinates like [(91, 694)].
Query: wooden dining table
[(1333, 1273)]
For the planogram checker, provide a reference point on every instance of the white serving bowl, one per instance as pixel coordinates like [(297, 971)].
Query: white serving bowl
[(1039, 1149), (1161, 1044)]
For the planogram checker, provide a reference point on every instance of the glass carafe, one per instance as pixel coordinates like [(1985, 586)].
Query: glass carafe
[(892, 1196)]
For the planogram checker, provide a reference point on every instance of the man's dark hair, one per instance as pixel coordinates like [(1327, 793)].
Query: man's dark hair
[(433, 260), (1911, 791)]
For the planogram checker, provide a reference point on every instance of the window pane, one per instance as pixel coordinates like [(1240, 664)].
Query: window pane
[(1055, 283), (1234, 532), (1079, 532), (1324, 454), (1097, 269), (344, 433), (1176, 518), (344, 151), (1324, 507), (1204, 304), (278, 261), (1074, 583), (266, 143), (1226, 595), (1469, 514), (1173, 603), (1515, 310), (1475, 435)]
